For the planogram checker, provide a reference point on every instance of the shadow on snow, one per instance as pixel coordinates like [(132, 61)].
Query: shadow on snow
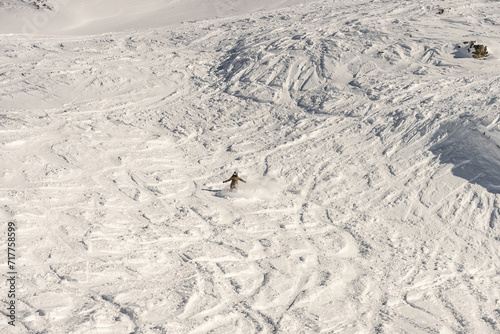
[(475, 157)]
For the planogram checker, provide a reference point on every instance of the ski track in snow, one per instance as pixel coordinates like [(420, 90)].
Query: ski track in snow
[(370, 150)]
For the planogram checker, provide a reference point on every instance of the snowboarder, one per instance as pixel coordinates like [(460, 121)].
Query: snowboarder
[(234, 181)]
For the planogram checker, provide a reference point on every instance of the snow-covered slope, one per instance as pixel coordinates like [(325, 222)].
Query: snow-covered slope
[(97, 17), (368, 140)]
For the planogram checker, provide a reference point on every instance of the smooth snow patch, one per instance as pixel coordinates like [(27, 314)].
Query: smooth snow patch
[(99, 17)]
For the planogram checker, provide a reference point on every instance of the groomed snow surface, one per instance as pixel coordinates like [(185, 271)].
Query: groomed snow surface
[(369, 142)]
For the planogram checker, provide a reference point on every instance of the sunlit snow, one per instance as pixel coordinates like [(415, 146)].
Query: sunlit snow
[(370, 143)]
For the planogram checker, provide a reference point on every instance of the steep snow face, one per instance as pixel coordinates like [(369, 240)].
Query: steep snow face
[(98, 17), (473, 150), (369, 147)]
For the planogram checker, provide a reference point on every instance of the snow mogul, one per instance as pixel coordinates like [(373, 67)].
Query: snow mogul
[(234, 181)]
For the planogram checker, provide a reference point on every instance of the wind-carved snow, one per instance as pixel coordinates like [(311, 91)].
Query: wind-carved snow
[(370, 153)]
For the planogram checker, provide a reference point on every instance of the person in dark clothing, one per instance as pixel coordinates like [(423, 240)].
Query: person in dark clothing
[(234, 181)]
